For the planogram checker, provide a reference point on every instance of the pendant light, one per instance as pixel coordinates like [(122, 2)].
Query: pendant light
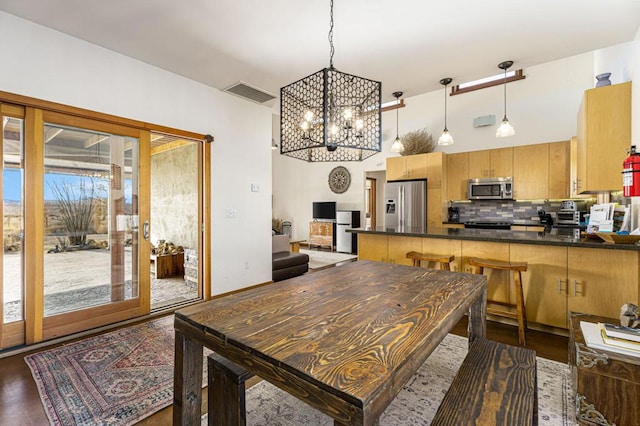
[(505, 129), (445, 137), (397, 145), (331, 115)]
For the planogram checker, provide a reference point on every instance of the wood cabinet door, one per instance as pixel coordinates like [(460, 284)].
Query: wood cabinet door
[(457, 176), (544, 283), (400, 246), (436, 165), (501, 162), (559, 170), (443, 247), (435, 208), (498, 282), (479, 164), (531, 171), (605, 131), (396, 169), (416, 166), (601, 280), (373, 247)]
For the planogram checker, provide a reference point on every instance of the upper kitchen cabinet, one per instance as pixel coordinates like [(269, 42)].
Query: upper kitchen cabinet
[(604, 137), (541, 171), (531, 171), (457, 176), (407, 167), (491, 163), (559, 169)]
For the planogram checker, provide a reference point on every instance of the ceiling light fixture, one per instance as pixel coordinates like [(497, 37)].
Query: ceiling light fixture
[(330, 115), (505, 129), (445, 138), (397, 145)]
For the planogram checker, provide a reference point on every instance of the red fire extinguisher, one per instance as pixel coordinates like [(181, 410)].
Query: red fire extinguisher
[(631, 174)]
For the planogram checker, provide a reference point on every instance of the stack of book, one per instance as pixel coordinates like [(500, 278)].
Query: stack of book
[(612, 337)]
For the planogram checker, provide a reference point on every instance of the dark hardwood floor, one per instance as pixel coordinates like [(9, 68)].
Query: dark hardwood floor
[(20, 403)]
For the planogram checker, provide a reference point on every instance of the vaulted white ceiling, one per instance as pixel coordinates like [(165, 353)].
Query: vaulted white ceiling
[(409, 45)]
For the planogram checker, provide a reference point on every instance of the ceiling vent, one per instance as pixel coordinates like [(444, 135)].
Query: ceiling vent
[(251, 93)]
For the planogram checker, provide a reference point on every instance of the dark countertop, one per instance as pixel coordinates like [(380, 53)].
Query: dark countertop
[(555, 237)]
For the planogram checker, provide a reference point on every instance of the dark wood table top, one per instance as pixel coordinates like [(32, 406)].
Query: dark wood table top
[(344, 339)]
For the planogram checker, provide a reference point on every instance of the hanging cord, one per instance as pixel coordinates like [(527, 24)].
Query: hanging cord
[(331, 50), (445, 108), (397, 125), (505, 94)]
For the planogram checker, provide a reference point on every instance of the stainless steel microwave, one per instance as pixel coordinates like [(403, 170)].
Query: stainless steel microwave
[(498, 188)]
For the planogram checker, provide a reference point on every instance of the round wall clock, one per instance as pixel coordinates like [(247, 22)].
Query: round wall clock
[(339, 179)]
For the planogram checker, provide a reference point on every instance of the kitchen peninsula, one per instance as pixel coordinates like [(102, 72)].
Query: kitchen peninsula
[(564, 273)]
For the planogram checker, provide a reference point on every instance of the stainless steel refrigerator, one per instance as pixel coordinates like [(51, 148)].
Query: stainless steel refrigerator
[(406, 205), (347, 242)]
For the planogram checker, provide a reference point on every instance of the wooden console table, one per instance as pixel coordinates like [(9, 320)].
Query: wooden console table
[(606, 384), (321, 234), (167, 265)]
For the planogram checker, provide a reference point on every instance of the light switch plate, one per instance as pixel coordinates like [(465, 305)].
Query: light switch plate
[(255, 187)]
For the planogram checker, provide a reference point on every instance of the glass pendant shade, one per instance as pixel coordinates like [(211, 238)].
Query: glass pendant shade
[(445, 138), (397, 145), (505, 129)]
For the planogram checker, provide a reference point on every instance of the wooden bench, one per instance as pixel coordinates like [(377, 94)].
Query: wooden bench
[(495, 385), (229, 407)]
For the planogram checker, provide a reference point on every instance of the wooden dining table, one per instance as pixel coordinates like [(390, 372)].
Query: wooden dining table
[(344, 340)]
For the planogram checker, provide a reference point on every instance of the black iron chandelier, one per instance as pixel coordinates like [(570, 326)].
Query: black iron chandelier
[(331, 115)]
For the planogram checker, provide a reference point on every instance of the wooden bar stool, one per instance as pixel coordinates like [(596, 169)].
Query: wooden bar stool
[(517, 268), (444, 260)]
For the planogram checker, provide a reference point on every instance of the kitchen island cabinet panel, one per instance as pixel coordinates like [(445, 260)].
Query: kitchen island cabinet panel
[(601, 281), (400, 246), (373, 247), (499, 282), (544, 283)]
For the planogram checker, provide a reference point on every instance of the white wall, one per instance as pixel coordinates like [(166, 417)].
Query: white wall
[(50, 65), (543, 108)]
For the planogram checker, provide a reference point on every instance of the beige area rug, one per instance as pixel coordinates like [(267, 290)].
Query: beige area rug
[(322, 259), (418, 401)]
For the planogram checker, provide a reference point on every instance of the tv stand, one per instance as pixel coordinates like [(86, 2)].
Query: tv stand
[(322, 234)]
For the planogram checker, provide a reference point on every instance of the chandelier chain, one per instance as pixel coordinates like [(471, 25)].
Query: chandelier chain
[(331, 50)]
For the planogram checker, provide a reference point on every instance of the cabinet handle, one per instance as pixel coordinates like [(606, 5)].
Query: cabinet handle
[(575, 288), (559, 281)]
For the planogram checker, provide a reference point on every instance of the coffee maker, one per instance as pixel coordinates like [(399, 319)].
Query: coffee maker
[(453, 214)]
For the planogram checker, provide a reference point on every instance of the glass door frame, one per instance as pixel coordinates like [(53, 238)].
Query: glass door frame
[(35, 112)]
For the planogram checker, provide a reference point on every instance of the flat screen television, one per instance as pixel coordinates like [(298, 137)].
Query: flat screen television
[(324, 210)]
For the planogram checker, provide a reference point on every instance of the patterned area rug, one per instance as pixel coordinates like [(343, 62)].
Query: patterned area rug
[(321, 259), (116, 378), (418, 401)]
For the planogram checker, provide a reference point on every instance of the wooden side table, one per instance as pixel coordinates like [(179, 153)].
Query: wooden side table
[(167, 265), (606, 384), (294, 246)]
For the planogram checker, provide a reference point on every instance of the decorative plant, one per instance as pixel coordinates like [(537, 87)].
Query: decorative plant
[(418, 142)]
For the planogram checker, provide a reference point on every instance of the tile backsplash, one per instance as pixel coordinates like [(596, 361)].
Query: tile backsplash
[(508, 210)]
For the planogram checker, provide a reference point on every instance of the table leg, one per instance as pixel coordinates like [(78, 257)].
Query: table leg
[(477, 318), (187, 382)]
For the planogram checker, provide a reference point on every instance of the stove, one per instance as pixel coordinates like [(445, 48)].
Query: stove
[(487, 224)]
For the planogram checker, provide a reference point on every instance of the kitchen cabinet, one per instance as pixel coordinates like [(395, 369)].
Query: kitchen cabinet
[(443, 247), (559, 170), (457, 176), (453, 225), (531, 171), (400, 246), (604, 137), (601, 281), (407, 167), (499, 282), (491, 163), (373, 247), (544, 283), (436, 169)]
